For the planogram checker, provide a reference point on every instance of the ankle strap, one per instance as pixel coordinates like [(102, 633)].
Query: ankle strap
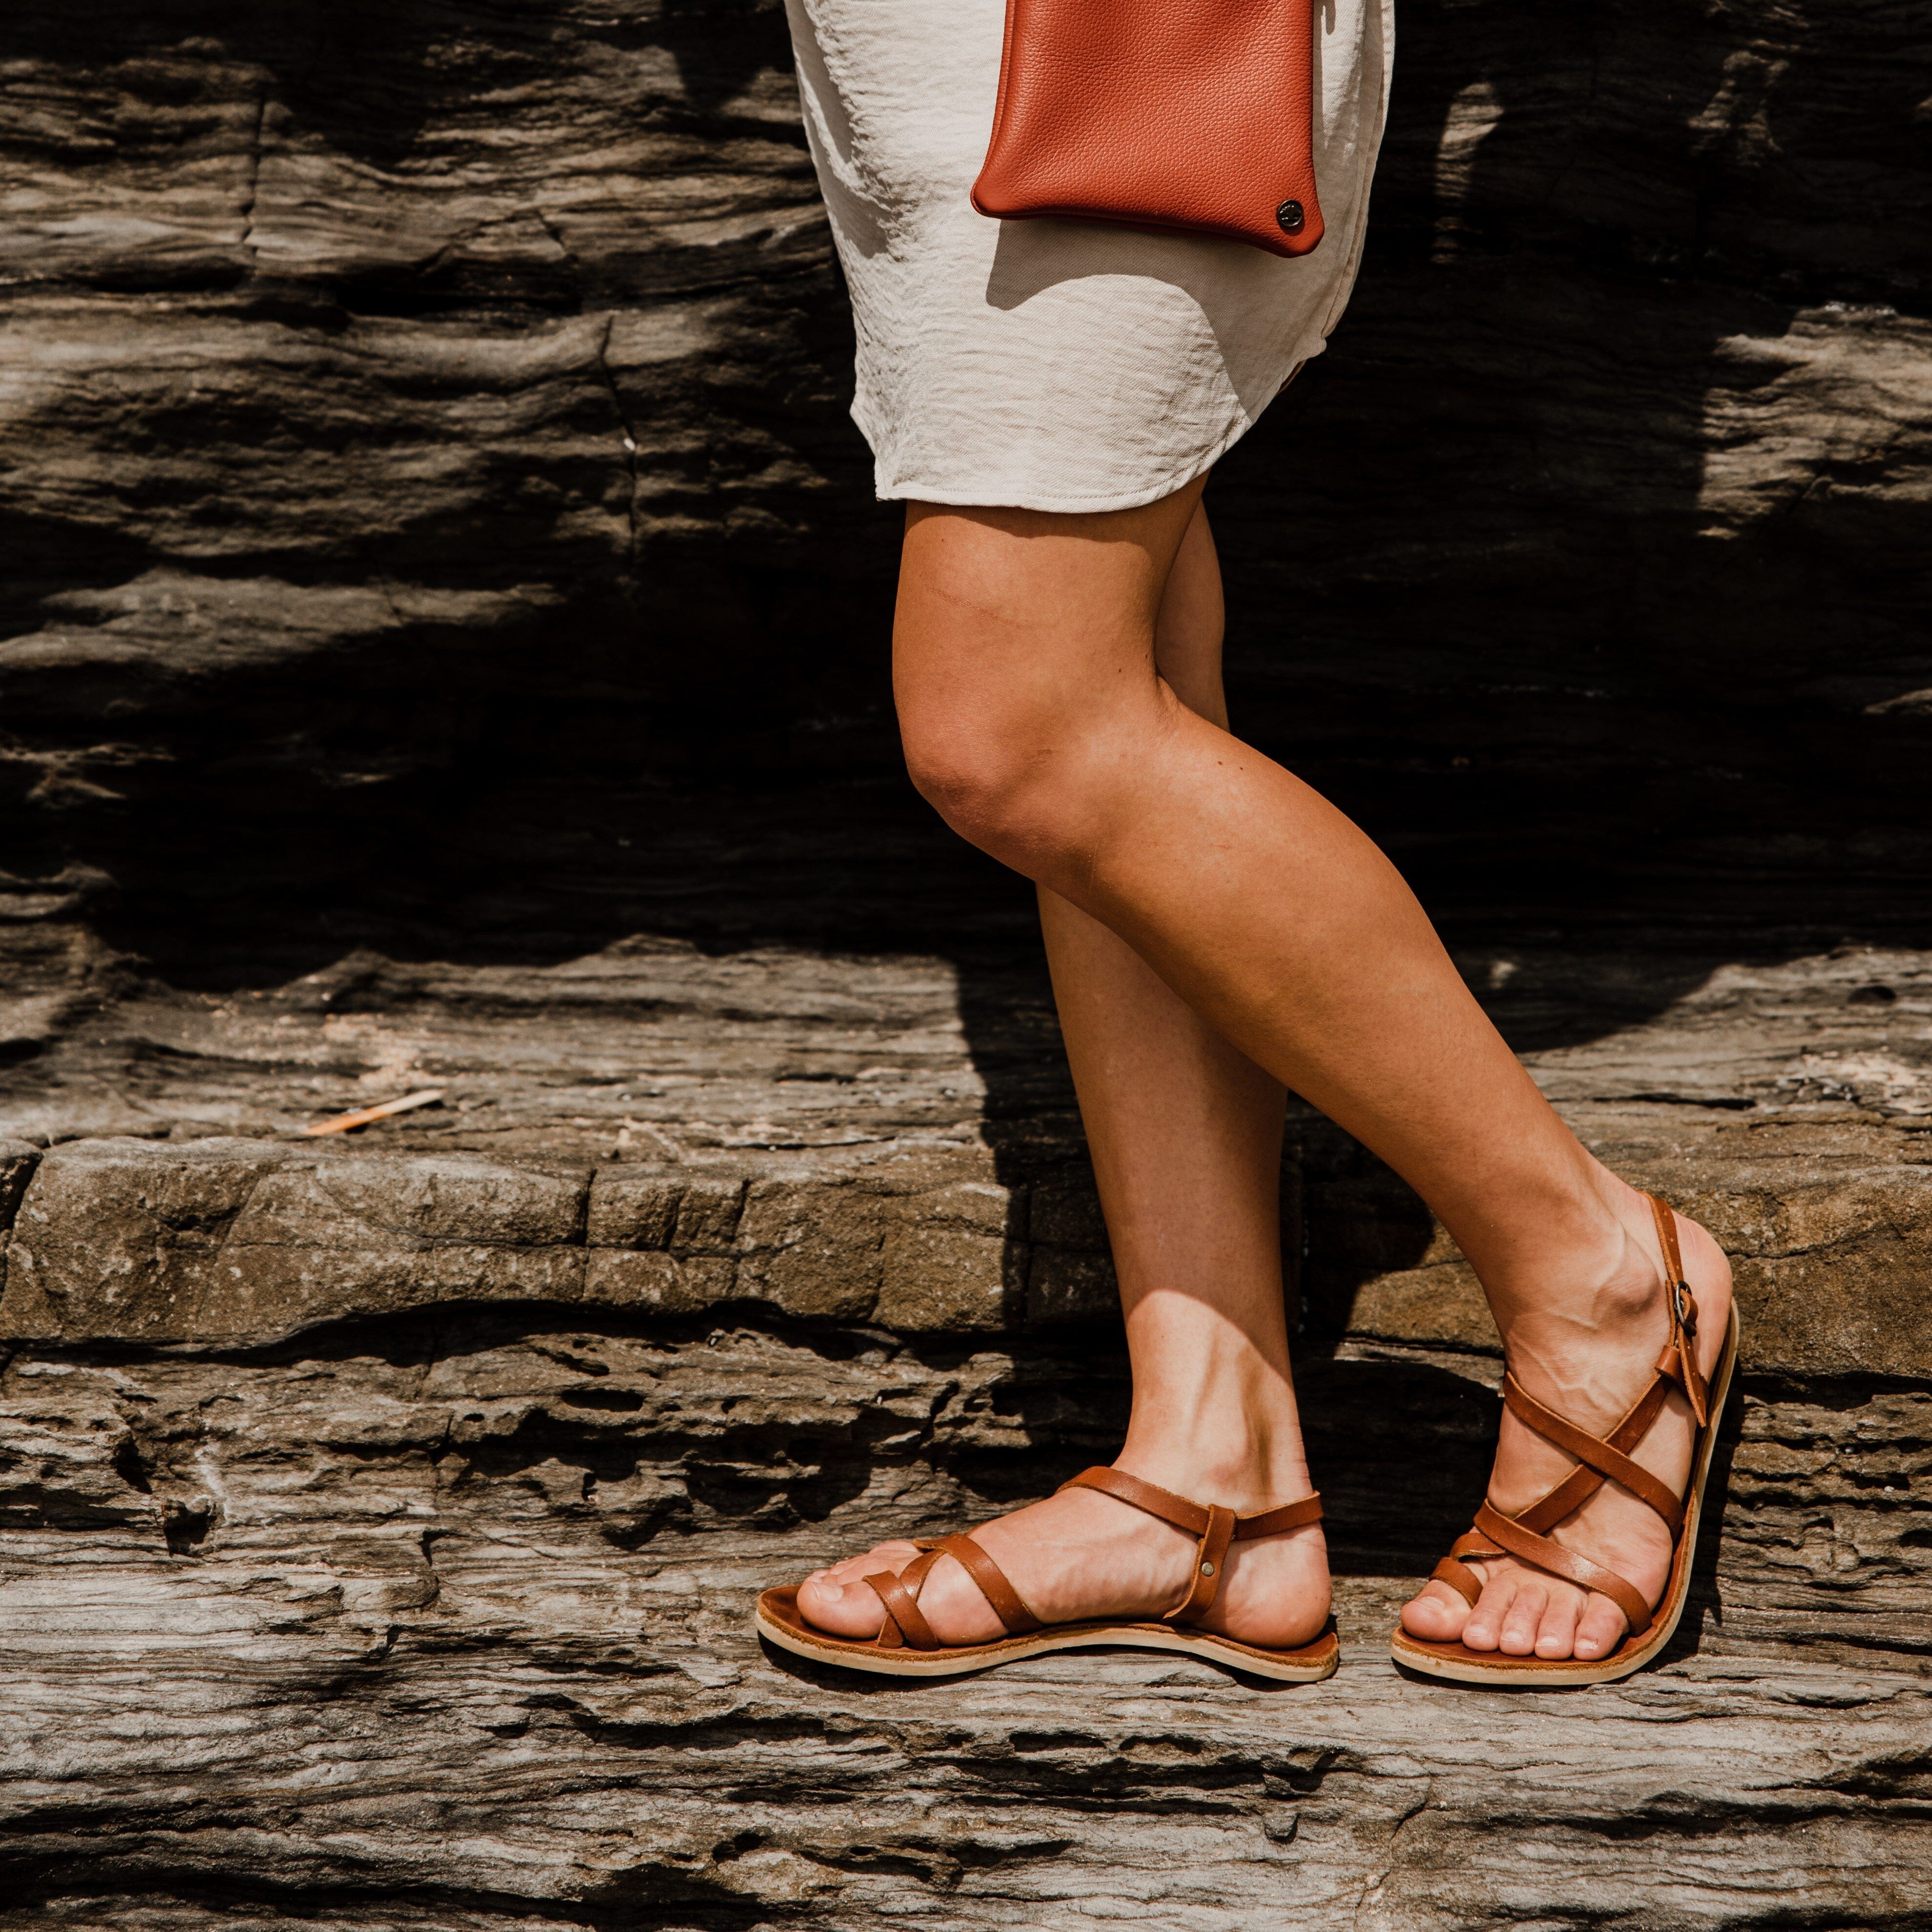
[(1191, 1516), (1214, 1526)]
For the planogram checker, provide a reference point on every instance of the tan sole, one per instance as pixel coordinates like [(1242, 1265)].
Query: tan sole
[(778, 1622), (1455, 1664)]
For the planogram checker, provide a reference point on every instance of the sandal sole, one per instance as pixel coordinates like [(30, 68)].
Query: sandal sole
[(1454, 1664), (778, 1622)]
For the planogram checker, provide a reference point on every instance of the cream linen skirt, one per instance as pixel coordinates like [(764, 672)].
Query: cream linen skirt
[(1055, 365)]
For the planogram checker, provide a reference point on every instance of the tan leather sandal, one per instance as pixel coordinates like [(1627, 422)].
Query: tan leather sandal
[(906, 1647), (1599, 1458)]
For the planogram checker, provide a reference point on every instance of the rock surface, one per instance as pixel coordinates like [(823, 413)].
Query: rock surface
[(426, 466), (443, 644), (380, 1519), (657, 1128), (445, 1624)]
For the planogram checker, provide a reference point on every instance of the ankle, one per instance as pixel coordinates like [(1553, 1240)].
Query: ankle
[(1593, 1272), (1248, 1473)]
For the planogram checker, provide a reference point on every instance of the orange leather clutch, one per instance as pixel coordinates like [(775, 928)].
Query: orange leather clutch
[(1190, 117)]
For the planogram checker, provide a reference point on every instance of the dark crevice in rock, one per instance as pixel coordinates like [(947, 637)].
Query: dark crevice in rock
[(627, 433), (152, 1886)]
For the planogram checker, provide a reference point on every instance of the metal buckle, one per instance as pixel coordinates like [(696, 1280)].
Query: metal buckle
[(1686, 1308)]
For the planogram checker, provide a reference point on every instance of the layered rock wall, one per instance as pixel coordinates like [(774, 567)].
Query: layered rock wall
[(425, 453), (442, 643), (380, 1520)]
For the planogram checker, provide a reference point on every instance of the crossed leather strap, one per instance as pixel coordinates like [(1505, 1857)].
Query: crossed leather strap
[(1600, 1459), (1215, 1529)]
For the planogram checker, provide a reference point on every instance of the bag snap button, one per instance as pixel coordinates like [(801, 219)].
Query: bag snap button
[(1207, 1569), (1292, 217)]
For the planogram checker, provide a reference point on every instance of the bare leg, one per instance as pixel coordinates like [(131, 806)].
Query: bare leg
[(1034, 719), (1186, 1136)]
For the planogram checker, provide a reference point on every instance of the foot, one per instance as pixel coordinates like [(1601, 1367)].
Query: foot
[(1081, 1554), (1588, 1359)]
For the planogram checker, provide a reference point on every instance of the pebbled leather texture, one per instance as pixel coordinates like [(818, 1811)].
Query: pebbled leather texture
[(1193, 117)]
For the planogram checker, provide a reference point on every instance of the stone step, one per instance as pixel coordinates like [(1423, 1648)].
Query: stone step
[(581, 1426), (657, 1128), (382, 1517), (454, 1612)]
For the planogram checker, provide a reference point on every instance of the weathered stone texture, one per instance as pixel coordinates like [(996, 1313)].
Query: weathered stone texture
[(448, 1458), (356, 360), (442, 643), (655, 1127), (496, 1584)]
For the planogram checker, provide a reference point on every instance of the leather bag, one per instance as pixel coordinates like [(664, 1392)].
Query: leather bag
[(1188, 117)]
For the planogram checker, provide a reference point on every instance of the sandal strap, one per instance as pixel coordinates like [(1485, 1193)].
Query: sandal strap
[(1192, 1516), (1213, 1527), (1523, 1536), (1511, 1539), (1272, 1522), (1598, 1459), (904, 1622), (1210, 1559), (1458, 1577), (1583, 1482), (1598, 1452), (1008, 1604), (1683, 1308)]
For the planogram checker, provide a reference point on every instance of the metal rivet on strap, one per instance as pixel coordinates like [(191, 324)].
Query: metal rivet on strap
[(1291, 217), (1207, 1569)]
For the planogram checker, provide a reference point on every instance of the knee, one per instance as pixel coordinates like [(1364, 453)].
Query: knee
[(993, 775)]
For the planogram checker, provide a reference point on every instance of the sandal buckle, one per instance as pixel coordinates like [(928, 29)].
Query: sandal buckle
[(1687, 1307)]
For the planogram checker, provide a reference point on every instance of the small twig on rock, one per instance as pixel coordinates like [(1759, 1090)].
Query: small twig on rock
[(362, 1116)]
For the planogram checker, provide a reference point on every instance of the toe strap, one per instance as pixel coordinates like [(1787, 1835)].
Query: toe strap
[(905, 1622), (1512, 1539), (1458, 1576)]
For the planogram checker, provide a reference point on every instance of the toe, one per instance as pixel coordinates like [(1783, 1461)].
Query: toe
[(1556, 1636), (1485, 1626), (839, 1601), (893, 1556), (1600, 1629), (1436, 1614), (1518, 1635), (842, 1609)]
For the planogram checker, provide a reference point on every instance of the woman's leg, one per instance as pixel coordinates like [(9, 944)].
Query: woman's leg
[(1186, 1134), (1035, 721), (1186, 1137)]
